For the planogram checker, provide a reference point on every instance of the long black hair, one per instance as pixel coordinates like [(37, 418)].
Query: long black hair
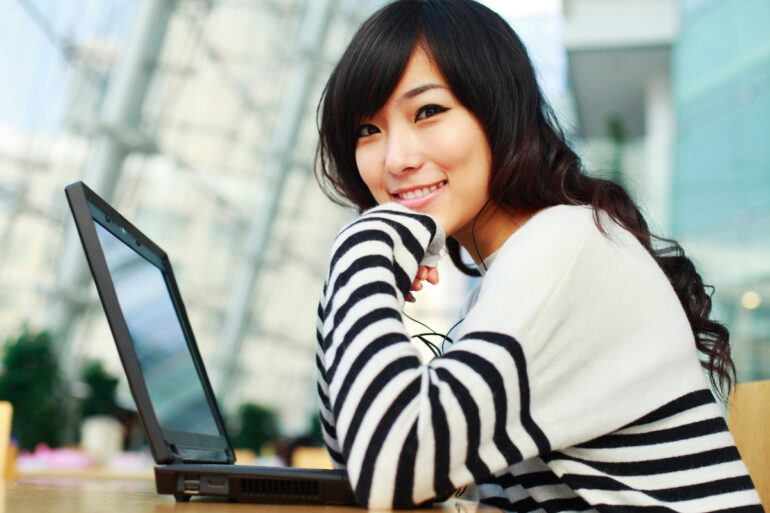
[(488, 70)]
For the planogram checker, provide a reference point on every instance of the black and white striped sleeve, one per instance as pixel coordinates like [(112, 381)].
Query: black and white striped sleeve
[(574, 337), (417, 431)]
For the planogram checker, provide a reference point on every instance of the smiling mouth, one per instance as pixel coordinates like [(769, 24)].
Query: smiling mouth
[(419, 193)]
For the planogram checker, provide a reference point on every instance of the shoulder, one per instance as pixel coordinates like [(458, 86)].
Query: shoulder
[(550, 239), (556, 237), (563, 259), (530, 267)]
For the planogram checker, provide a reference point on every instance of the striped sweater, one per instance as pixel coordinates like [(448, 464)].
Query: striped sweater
[(573, 383)]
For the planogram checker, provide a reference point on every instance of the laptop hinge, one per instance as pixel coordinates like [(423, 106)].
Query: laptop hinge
[(176, 457), (197, 455)]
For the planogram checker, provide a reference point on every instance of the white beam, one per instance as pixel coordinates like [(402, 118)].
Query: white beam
[(312, 33), (120, 115)]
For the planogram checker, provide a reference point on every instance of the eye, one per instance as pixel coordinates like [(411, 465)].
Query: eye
[(429, 111), (366, 130)]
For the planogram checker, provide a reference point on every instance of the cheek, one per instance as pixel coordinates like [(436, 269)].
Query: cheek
[(364, 167), (468, 154), (371, 174)]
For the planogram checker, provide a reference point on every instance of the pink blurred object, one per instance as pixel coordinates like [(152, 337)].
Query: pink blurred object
[(44, 457), (131, 461)]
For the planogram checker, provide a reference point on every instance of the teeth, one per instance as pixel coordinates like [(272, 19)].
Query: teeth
[(419, 193)]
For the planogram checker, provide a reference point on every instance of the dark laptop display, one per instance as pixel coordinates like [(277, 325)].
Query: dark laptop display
[(169, 372), (166, 374)]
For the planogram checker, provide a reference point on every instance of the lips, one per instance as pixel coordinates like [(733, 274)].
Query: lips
[(418, 192), (416, 197)]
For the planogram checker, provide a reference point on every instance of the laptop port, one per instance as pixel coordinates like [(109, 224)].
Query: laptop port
[(214, 485), (215, 482), (191, 486)]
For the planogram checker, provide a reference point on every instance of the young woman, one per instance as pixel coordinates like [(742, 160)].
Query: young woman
[(574, 381)]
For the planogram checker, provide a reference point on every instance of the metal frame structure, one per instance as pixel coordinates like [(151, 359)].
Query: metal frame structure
[(250, 166)]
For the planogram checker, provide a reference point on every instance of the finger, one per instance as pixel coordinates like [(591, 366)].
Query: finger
[(422, 272), (410, 298), (417, 284), (432, 275)]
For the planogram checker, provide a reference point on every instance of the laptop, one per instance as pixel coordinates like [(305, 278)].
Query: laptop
[(166, 375)]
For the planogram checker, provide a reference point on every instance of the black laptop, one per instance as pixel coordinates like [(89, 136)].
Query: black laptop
[(166, 374)]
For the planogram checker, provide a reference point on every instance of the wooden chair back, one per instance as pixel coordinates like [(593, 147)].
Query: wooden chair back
[(311, 457), (749, 421), (6, 455)]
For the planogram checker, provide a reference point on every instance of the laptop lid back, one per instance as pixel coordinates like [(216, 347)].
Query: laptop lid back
[(153, 336)]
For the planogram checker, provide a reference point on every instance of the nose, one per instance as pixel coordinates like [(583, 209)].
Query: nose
[(403, 152)]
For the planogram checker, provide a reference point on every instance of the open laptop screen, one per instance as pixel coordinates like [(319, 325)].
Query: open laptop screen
[(164, 357)]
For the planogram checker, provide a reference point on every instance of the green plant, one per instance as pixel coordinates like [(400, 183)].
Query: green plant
[(316, 434), (31, 382), (102, 385), (254, 426)]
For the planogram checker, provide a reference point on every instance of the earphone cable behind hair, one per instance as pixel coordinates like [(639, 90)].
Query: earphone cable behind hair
[(473, 233)]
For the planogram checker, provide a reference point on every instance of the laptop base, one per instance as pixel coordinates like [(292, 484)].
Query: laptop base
[(241, 483)]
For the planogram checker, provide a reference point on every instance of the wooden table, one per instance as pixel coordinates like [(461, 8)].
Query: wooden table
[(89, 495)]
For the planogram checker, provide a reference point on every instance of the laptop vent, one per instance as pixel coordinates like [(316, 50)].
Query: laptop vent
[(280, 488)]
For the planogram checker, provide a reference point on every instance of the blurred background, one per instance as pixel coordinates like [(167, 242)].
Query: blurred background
[(197, 120)]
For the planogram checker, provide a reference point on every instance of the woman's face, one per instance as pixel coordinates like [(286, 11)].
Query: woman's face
[(425, 150)]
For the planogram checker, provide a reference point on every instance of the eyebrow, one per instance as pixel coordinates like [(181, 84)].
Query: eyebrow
[(421, 89)]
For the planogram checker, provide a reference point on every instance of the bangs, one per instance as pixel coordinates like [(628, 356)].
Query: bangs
[(359, 86), (370, 73)]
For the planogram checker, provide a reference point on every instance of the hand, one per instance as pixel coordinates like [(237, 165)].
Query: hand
[(423, 273)]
